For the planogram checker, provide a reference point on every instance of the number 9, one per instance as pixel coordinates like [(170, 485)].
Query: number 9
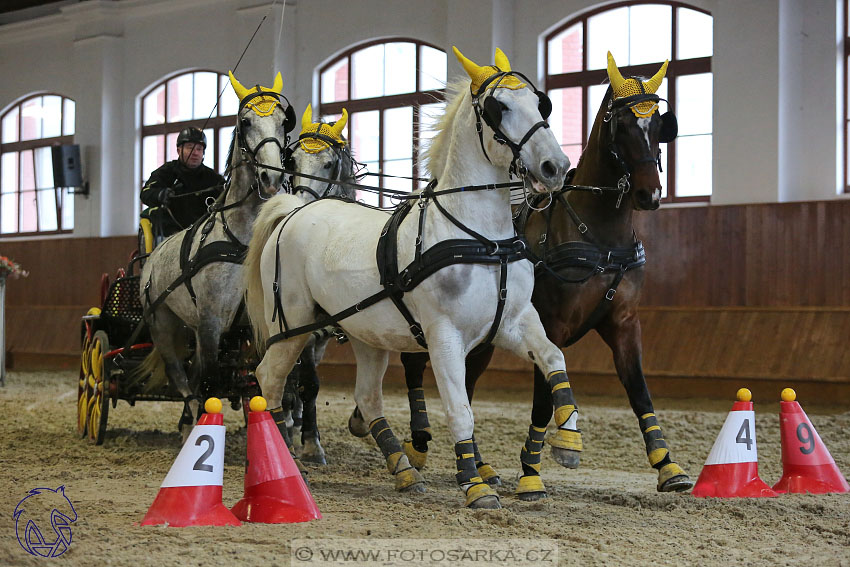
[(807, 439)]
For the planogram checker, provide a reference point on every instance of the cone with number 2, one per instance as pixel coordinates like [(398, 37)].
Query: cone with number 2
[(731, 470), (807, 465), (190, 495)]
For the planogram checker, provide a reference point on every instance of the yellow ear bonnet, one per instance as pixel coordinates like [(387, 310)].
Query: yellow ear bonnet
[(623, 87), (262, 105), (333, 131), (479, 74)]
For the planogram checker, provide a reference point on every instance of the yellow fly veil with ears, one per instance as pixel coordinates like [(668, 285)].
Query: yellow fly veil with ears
[(479, 74), (262, 105), (627, 87), (334, 131)]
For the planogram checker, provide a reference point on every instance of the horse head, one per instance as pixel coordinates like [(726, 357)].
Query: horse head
[(264, 120), (321, 151), (515, 134), (632, 129)]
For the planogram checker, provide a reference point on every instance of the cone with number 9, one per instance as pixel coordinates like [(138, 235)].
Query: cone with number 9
[(807, 465), (190, 495), (731, 470)]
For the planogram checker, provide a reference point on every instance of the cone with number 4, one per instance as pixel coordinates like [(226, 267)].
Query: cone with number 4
[(275, 491), (807, 465), (190, 495), (731, 470)]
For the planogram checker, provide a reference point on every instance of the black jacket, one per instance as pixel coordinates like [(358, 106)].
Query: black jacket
[(182, 180)]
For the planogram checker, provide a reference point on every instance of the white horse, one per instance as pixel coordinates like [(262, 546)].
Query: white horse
[(321, 259), (208, 297)]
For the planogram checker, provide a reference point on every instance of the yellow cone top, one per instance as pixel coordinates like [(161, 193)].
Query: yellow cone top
[(744, 395), (788, 395), (258, 403), (212, 405)]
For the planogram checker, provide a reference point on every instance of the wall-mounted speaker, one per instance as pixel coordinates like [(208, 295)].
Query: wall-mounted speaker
[(67, 168)]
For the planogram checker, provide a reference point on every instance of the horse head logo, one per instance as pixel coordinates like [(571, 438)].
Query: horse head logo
[(43, 506)]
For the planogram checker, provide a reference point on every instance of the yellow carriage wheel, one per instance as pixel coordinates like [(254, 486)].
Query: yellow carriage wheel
[(98, 405), (83, 387)]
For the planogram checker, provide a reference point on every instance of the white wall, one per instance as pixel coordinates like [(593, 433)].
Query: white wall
[(775, 75)]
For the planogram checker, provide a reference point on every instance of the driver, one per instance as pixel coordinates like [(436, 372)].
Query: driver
[(176, 193)]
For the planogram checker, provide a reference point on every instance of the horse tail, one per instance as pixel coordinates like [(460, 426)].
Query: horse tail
[(152, 370), (271, 214)]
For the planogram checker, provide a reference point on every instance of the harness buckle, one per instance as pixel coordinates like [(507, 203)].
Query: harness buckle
[(610, 294), (542, 239), (582, 228), (416, 331), (503, 294)]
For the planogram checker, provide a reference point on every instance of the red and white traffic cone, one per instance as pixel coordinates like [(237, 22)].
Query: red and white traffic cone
[(807, 465), (275, 492), (731, 470), (190, 495)]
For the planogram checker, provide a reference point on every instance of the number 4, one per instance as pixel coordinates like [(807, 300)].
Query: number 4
[(744, 435)]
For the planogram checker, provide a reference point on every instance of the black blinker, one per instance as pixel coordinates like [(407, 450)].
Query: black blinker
[(492, 112), (544, 105), (669, 127)]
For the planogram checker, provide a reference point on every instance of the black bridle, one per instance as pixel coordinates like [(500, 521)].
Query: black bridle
[(341, 153), (485, 111)]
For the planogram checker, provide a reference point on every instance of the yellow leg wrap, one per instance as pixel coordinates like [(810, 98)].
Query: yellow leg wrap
[(564, 439), (416, 458), (530, 484), (407, 478), (669, 471), (563, 413), (657, 455), (477, 492), (486, 472), (393, 462)]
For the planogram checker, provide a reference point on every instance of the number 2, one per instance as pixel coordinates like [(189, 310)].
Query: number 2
[(809, 439), (744, 435), (200, 465)]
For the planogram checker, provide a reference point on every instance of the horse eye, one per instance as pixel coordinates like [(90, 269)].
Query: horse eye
[(245, 122), (328, 165)]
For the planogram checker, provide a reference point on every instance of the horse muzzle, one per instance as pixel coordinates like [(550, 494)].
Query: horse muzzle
[(549, 175), (647, 199)]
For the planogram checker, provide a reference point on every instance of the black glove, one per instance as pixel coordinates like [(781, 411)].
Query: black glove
[(165, 196)]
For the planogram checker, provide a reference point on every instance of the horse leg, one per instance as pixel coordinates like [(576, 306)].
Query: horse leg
[(448, 363), (290, 406), (623, 337), (476, 364), (166, 331), (528, 340), (271, 376), (416, 448), (371, 366), (206, 378), (308, 390)]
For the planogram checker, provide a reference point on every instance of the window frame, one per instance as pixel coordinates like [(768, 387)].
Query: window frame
[(216, 122), (38, 143), (846, 94), (587, 78), (414, 99)]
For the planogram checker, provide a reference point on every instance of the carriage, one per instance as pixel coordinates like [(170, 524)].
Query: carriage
[(115, 341)]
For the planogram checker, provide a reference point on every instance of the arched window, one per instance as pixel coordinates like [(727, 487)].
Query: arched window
[(187, 100), (640, 35), (393, 90), (29, 203)]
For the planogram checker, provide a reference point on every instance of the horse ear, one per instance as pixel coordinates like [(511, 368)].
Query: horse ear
[(652, 85), (472, 69), (502, 61), (278, 83), (307, 117), (237, 87), (614, 75), (340, 124)]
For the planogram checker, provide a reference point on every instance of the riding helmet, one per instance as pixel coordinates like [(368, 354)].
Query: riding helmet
[(191, 134)]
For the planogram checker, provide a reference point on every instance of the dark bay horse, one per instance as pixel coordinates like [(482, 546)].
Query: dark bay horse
[(589, 276)]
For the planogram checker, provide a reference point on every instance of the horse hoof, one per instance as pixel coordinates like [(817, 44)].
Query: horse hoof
[(532, 496), (486, 503), (356, 425), (416, 458), (482, 496), (314, 458), (409, 480), (418, 488), (566, 457), (679, 483)]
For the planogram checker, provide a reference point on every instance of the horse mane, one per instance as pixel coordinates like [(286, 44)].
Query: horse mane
[(227, 170), (436, 154)]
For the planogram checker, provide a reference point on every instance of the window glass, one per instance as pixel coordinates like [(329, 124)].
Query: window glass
[(399, 68), (335, 82), (398, 133), (179, 101), (69, 118), (365, 136), (694, 104), (8, 213), (171, 146), (153, 108), (565, 50), (228, 104), (695, 34), (224, 138), (693, 166), (43, 168), (209, 152), (9, 169), (46, 199), (565, 121), (10, 126), (51, 116), (31, 119), (205, 93), (27, 165), (433, 74), (152, 154), (650, 47), (28, 212), (608, 31), (367, 72), (67, 203)]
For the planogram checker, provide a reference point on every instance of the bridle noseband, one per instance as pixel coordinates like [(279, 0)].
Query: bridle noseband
[(486, 111)]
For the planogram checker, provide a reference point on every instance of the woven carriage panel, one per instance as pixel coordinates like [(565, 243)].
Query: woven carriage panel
[(122, 301)]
